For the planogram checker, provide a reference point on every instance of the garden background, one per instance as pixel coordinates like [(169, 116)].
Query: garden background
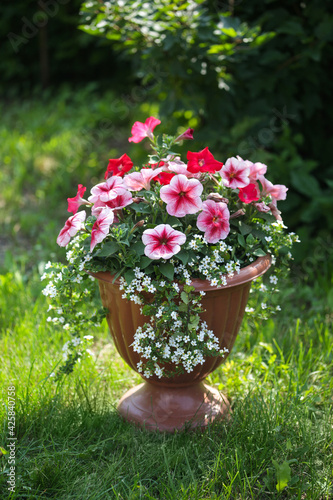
[(253, 79)]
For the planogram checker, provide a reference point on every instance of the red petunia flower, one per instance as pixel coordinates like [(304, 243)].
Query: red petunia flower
[(119, 166), (249, 193), (203, 161), (164, 178)]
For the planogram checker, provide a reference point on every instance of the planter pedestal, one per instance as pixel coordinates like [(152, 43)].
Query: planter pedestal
[(168, 409)]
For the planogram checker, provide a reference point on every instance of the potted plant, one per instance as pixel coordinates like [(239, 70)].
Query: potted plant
[(175, 247)]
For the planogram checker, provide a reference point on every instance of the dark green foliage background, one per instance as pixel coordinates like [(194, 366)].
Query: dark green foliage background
[(257, 75), (253, 78)]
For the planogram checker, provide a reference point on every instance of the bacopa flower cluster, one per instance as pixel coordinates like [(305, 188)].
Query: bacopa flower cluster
[(160, 225)]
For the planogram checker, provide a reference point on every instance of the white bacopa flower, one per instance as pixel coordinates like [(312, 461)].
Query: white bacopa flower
[(273, 279), (263, 305)]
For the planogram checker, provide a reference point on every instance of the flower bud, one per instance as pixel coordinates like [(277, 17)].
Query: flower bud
[(138, 224), (188, 134), (239, 213), (217, 198), (188, 229)]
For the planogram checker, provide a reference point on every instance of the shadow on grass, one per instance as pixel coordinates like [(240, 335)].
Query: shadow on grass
[(83, 449)]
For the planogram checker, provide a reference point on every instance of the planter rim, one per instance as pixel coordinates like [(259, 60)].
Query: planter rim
[(246, 274)]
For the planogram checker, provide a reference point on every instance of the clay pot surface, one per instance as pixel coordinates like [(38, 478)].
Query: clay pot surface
[(224, 311)]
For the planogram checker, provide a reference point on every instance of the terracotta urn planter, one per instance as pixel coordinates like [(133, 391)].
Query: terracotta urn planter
[(167, 404)]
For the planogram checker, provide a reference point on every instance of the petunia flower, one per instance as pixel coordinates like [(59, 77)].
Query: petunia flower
[(119, 166), (249, 193), (188, 134), (214, 221), (235, 173), (256, 169), (141, 130), (182, 196), (277, 191), (179, 167), (164, 178), (203, 161), (77, 201), (162, 242), (72, 226), (122, 199), (141, 180), (106, 191), (101, 227)]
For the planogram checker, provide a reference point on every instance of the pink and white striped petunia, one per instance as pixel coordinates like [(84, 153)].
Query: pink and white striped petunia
[(256, 169), (141, 180), (179, 167), (141, 130), (106, 191), (235, 173), (214, 221), (72, 226), (123, 199), (77, 201), (277, 191), (101, 227), (182, 196), (162, 242)]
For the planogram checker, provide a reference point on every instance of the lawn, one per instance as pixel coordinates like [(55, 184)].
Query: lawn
[(70, 441)]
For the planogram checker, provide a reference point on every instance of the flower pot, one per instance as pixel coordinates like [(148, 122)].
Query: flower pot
[(166, 404)]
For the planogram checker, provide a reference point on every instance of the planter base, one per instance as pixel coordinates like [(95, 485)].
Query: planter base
[(160, 408)]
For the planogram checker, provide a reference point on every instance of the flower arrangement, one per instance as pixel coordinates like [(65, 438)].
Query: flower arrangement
[(157, 227)]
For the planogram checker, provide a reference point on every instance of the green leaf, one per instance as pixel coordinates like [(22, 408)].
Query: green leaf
[(183, 256), (283, 475), (259, 253), (129, 276), (305, 183), (3, 451), (185, 297), (144, 262), (143, 208), (167, 270), (138, 248), (173, 221), (244, 228), (250, 240), (109, 248), (182, 307), (241, 240)]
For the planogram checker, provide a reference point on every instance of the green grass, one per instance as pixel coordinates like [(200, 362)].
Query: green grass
[(72, 444)]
